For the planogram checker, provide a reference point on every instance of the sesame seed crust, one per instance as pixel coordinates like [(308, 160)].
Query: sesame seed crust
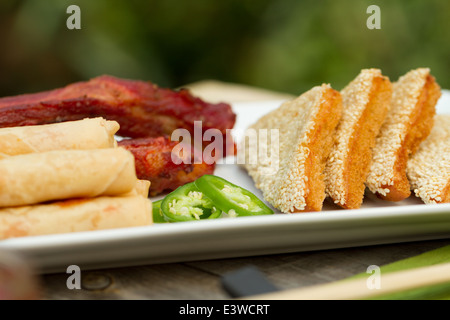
[(400, 134), (297, 122), (428, 169), (365, 105)]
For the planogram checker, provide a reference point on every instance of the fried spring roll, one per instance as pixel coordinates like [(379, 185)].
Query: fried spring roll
[(56, 175), (75, 216), (96, 133), (142, 188)]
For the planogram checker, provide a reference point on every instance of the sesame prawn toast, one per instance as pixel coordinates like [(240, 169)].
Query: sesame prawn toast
[(306, 127), (365, 105), (428, 169), (408, 123)]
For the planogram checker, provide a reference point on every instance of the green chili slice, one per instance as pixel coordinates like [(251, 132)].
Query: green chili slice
[(230, 198), (188, 203), (158, 217)]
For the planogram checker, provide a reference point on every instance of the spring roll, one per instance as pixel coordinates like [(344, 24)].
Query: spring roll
[(75, 216), (58, 175), (96, 133), (142, 188)]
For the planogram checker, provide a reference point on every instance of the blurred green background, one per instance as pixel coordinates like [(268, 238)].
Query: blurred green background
[(284, 45)]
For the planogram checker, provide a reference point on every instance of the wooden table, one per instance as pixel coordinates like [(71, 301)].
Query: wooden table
[(202, 279)]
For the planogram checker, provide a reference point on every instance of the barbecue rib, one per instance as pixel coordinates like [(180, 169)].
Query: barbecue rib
[(153, 158), (141, 108)]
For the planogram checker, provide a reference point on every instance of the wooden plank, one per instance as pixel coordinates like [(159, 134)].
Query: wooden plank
[(288, 271), (201, 279), (167, 281)]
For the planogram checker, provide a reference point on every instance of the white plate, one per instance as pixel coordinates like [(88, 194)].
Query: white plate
[(377, 222)]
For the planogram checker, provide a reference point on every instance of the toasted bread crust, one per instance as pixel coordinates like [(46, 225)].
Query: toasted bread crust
[(407, 125), (445, 194), (303, 125), (320, 144), (428, 170), (421, 124), (366, 102)]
